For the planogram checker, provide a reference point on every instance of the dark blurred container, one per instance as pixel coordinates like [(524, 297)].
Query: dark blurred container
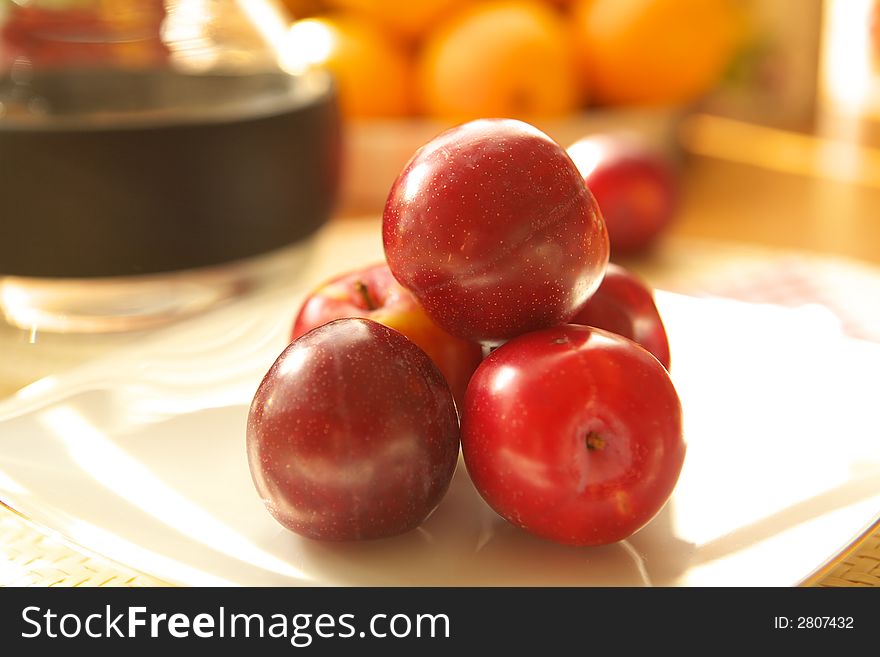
[(148, 144)]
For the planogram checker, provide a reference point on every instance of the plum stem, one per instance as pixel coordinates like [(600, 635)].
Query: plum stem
[(364, 291), (595, 442)]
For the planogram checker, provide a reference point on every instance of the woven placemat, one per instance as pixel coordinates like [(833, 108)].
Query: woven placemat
[(860, 568), (33, 556)]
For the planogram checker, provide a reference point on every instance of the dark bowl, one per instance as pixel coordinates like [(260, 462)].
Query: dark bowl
[(117, 174)]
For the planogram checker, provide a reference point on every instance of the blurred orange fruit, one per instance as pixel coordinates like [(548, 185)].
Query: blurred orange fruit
[(373, 73), (653, 51), (408, 19), (511, 58)]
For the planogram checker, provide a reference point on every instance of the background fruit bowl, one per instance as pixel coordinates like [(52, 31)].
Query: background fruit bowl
[(405, 71), (375, 150)]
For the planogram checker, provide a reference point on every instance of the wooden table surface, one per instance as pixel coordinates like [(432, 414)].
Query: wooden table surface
[(748, 184), (742, 203)]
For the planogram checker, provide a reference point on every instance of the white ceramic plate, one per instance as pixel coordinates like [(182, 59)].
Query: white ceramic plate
[(140, 457)]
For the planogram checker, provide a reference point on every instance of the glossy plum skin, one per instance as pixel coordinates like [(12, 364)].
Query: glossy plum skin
[(352, 433), (374, 293), (492, 229), (624, 305), (573, 434), (636, 189)]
